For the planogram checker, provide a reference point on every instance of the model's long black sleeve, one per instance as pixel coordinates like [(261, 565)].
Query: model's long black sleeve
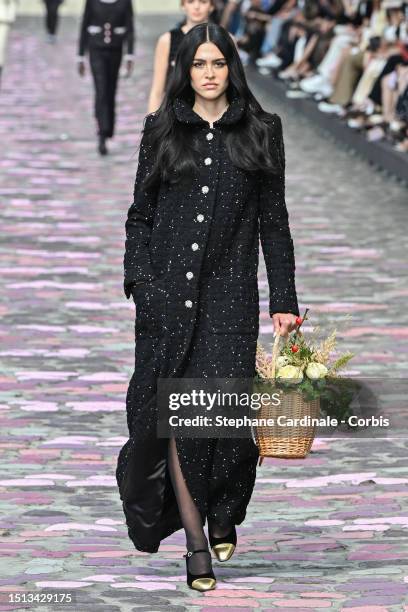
[(275, 235), (83, 33), (137, 264), (130, 29)]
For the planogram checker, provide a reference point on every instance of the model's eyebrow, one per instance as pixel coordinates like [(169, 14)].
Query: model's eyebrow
[(200, 59)]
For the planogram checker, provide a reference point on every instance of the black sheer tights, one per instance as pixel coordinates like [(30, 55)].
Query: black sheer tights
[(190, 516)]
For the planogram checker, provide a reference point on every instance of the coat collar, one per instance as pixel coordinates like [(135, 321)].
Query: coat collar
[(185, 113)]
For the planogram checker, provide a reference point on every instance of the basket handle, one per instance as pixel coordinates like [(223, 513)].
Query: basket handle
[(275, 351)]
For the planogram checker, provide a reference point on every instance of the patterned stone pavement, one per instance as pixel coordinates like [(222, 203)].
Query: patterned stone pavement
[(326, 532)]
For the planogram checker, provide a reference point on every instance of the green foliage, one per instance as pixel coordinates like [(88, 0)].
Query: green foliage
[(341, 361), (335, 394)]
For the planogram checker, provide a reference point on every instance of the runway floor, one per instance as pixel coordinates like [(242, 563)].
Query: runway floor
[(326, 532)]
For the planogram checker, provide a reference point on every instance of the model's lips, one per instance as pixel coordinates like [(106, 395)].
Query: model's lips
[(211, 85)]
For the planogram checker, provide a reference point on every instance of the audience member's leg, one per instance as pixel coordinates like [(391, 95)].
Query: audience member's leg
[(367, 80), (389, 95), (272, 34), (349, 74), (337, 69), (333, 56), (391, 64)]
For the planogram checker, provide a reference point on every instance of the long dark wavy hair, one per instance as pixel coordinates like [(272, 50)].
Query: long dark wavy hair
[(248, 141)]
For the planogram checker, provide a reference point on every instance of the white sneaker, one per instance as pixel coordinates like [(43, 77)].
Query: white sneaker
[(326, 90), (264, 71), (313, 84), (285, 74), (296, 94), (396, 126), (269, 61), (356, 123), (326, 107)]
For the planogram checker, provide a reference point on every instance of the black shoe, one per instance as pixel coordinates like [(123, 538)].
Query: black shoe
[(199, 582), (102, 146), (224, 547)]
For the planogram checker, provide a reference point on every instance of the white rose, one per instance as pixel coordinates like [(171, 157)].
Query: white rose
[(316, 370), (323, 370), (290, 372), (282, 361)]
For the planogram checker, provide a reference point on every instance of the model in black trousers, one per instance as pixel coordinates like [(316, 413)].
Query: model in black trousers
[(105, 66), (51, 17), (106, 26)]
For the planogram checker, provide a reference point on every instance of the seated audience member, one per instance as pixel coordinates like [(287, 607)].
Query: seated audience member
[(277, 15), (312, 42), (350, 55), (401, 107), (395, 36), (255, 19), (231, 16), (361, 78)]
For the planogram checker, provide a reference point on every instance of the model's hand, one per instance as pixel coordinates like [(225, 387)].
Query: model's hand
[(129, 68), (81, 68), (284, 322), (135, 290)]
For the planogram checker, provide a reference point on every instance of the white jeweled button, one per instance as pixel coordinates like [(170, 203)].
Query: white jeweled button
[(188, 303), (207, 161), (194, 246), (210, 136), (106, 40), (200, 218), (189, 275), (205, 189)]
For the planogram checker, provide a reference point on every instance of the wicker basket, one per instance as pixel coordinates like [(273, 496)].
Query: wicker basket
[(274, 441)]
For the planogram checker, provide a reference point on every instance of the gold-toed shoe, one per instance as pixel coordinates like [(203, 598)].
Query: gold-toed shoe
[(199, 582), (224, 547)]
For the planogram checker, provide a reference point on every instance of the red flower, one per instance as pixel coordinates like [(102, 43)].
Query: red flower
[(299, 320), (294, 348)]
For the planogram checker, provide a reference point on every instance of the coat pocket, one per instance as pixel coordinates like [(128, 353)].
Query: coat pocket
[(150, 299), (232, 307)]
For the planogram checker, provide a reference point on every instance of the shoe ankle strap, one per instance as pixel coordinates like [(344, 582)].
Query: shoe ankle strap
[(189, 553)]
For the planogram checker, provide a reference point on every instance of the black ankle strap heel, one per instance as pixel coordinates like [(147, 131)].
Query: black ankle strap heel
[(199, 582)]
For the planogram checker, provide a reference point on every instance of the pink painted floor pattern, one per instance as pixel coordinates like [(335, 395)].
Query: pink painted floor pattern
[(324, 533)]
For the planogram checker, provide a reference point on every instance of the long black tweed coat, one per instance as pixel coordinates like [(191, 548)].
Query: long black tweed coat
[(195, 251)]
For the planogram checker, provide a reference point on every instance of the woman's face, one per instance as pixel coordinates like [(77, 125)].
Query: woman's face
[(197, 11), (209, 72)]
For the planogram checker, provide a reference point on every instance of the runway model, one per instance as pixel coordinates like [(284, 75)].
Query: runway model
[(52, 18), (196, 11), (7, 18), (106, 26), (210, 184)]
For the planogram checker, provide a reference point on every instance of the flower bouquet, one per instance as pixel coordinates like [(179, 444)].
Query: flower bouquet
[(302, 371)]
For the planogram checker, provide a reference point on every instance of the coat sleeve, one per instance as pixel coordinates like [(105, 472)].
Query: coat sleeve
[(138, 226), (130, 30), (276, 240), (83, 32)]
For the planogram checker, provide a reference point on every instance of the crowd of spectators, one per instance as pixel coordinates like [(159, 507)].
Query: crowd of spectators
[(351, 56)]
